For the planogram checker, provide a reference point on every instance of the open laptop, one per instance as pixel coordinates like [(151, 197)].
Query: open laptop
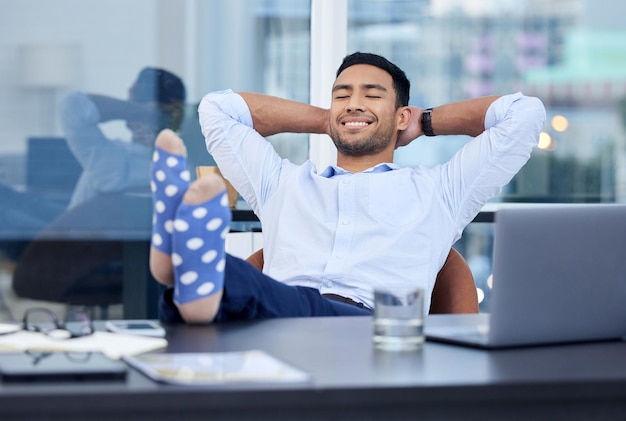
[(559, 276)]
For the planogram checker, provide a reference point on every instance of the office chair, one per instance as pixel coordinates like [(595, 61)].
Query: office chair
[(454, 291), (78, 259)]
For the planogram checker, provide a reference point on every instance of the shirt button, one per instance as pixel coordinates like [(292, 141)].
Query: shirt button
[(346, 222), (329, 284), (346, 181), (339, 256)]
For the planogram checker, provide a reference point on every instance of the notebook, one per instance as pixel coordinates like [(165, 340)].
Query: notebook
[(59, 366), (216, 368), (559, 276)]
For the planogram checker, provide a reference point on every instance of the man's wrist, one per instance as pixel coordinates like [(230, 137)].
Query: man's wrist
[(427, 125)]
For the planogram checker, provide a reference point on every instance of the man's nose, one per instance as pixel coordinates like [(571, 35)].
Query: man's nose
[(355, 104)]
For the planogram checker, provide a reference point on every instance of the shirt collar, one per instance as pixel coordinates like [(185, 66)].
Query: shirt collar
[(333, 170)]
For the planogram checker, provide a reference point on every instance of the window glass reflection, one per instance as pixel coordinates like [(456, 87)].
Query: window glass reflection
[(80, 107)]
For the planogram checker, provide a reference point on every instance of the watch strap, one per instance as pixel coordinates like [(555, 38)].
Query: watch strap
[(427, 126)]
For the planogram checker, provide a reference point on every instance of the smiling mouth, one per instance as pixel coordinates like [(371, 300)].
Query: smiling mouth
[(355, 124)]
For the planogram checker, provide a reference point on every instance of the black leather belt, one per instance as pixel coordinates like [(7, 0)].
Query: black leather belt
[(346, 300)]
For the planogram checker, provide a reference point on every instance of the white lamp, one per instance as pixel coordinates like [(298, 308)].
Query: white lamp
[(49, 68)]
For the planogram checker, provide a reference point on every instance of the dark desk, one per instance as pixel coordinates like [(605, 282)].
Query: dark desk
[(353, 381)]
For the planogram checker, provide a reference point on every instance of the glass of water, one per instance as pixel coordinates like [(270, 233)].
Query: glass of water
[(399, 320)]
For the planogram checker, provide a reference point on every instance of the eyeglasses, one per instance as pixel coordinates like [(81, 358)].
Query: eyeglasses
[(77, 323), (75, 357)]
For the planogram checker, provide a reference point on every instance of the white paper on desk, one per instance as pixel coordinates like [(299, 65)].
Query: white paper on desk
[(216, 368), (8, 328), (114, 345)]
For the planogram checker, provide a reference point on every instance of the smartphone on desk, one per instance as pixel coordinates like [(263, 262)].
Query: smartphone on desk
[(136, 327)]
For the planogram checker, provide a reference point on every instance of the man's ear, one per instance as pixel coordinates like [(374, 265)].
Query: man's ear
[(404, 117)]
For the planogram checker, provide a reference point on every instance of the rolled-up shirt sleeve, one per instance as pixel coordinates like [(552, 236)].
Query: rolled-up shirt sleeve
[(244, 157), (488, 162), (79, 118)]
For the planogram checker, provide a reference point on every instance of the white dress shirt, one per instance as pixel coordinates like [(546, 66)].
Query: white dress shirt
[(387, 227)]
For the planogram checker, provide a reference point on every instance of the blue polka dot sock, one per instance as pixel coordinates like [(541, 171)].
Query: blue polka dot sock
[(198, 253), (169, 182)]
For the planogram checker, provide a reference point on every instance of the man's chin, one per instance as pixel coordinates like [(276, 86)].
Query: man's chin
[(348, 150)]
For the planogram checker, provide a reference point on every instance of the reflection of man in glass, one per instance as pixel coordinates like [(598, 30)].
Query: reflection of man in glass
[(89, 271), (156, 101)]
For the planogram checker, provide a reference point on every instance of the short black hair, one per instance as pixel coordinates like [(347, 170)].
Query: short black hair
[(158, 85), (401, 83)]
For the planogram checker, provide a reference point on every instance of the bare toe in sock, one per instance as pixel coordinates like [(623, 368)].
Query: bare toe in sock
[(200, 228)]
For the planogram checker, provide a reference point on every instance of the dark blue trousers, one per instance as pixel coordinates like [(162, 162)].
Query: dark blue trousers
[(250, 295)]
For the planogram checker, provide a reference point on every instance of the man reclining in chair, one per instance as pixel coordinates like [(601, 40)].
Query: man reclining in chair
[(345, 230)]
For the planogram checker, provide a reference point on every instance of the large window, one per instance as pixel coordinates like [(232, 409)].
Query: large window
[(61, 246), (75, 206), (571, 54)]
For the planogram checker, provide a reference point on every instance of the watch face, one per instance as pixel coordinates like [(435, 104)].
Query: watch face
[(427, 127)]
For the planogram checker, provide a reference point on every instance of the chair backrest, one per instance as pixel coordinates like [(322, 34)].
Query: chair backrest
[(79, 257), (454, 291)]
